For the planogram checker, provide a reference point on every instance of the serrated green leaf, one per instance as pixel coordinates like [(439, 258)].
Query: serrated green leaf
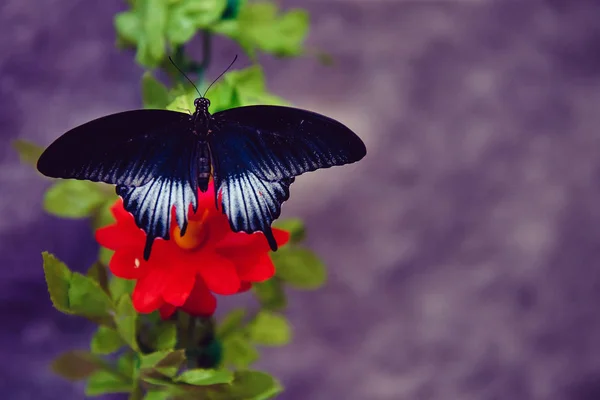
[(269, 329), (165, 336), (106, 341), (204, 377), (86, 297), (270, 294), (29, 152), (154, 93), (230, 323), (126, 320), (299, 267), (58, 279), (75, 365), (73, 198), (187, 16), (98, 273), (119, 287), (295, 226), (102, 382), (238, 351)]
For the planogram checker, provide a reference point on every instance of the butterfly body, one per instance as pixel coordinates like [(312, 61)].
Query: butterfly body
[(159, 159)]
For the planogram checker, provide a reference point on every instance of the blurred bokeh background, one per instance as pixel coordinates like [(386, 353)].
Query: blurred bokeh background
[(462, 251)]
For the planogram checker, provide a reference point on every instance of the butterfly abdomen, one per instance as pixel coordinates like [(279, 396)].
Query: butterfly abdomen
[(203, 166)]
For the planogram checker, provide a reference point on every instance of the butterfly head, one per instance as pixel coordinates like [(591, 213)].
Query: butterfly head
[(202, 104)]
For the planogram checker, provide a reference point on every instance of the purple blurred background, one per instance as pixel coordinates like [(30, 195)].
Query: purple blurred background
[(462, 250)]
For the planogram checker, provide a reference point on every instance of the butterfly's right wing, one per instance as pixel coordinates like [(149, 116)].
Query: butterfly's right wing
[(129, 148), (151, 155)]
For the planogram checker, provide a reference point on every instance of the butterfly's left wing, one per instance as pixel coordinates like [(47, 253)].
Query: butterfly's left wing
[(257, 151)]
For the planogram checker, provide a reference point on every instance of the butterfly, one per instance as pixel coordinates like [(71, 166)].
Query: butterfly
[(158, 159)]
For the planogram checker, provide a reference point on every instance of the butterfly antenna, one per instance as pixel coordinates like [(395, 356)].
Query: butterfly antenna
[(186, 77), (222, 73)]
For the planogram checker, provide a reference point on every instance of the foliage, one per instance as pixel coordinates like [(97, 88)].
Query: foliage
[(143, 355)]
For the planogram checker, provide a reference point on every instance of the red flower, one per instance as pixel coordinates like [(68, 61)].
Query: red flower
[(185, 271)]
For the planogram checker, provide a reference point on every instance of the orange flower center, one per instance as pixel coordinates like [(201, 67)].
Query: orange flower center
[(195, 234)]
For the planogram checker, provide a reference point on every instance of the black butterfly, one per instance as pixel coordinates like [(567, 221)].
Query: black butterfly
[(159, 159)]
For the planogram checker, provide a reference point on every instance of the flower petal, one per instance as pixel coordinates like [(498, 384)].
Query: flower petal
[(201, 302), (166, 310), (257, 268), (128, 264), (147, 294), (241, 243), (180, 282), (245, 286), (219, 274)]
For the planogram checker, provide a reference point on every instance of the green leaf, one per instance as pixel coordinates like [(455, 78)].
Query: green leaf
[(137, 393), (270, 294), (58, 278), (86, 297), (182, 103), (126, 320), (270, 329), (252, 385), (73, 198), (295, 226), (157, 395), (187, 16), (105, 255), (106, 341), (126, 364), (299, 267), (29, 152), (152, 43), (75, 365), (165, 362), (204, 377), (222, 97), (98, 273), (103, 381), (103, 216), (119, 287), (128, 27), (249, 87), (154, 93), (230, 323), (238, 351), (165, 336), (259, 27), (145, 26)]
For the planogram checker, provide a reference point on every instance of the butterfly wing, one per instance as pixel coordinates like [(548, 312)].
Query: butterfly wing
[(258, 150), (281, 142), (151, 155), (127, 148)]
